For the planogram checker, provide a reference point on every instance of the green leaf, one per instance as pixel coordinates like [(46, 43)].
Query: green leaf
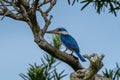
[(56, 41), (85, 5), (114, 74), (46, 71)]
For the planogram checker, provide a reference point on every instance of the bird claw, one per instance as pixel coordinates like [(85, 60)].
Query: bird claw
[(71, 53), (65, 50)]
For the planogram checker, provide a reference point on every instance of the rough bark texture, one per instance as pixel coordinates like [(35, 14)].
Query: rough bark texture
[(25, 10)]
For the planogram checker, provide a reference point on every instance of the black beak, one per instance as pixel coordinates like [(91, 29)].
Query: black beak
[(52, 32)]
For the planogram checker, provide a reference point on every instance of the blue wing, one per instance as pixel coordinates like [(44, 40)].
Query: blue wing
[(69, 42)]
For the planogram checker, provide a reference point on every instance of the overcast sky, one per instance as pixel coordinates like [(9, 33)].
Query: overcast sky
[(94, 33)]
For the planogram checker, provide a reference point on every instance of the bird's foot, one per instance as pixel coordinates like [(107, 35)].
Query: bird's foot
[(65, 50), (71, 53)]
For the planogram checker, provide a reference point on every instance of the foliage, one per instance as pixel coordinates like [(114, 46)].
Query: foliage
[(100, 5), (113, 74), (56, 41), (47, 70)]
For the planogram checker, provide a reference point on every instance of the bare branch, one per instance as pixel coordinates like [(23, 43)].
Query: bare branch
[(9, 13), (5, 15), (43, 3), (4, 6), (95, 65), (48, 22), (14, 16), (45, 14), (15, 7), (90, 72), (24, 12), (52, 3)]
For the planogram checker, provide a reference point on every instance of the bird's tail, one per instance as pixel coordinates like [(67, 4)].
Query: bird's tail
[(81, 57)]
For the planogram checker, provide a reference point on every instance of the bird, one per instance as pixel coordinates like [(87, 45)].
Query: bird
[(68, 41)]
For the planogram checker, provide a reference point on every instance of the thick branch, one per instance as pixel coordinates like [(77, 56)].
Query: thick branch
[(95, 65), (70, 60), (90, 73), (35, 5)]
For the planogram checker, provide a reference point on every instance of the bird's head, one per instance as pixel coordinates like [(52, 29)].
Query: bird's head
[(58, 31)]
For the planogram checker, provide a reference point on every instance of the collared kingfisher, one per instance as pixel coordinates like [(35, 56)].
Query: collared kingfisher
[(68, 41)]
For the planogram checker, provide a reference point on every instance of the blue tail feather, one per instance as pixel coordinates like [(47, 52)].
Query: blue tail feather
[(81, 57)]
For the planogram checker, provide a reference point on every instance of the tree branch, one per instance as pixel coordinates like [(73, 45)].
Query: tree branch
[(90, 73), (70, 60), (95, 65), (52, 3), (43, 3), (11, 15), (45, 13)]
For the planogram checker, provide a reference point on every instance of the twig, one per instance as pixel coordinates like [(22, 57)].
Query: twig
[(4, 6), (45, 14), (47, 25), (43, 3), (5, 14), (52, 3)]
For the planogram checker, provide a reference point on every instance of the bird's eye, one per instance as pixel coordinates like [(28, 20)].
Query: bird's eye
[(59, 30)]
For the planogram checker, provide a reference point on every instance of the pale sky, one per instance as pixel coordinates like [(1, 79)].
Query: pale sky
[(94, 33)]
